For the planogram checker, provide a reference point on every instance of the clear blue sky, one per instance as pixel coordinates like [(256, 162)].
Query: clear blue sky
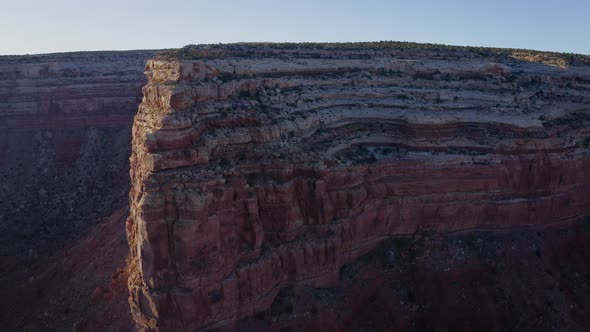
[(41, 26)]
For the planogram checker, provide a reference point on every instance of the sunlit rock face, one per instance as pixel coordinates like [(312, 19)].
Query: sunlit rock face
[(257, 167)]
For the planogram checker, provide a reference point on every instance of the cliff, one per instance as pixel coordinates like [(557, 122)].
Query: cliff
[(258, 167)]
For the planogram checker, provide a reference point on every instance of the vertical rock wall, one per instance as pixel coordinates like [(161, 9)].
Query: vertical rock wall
[(256, 167)]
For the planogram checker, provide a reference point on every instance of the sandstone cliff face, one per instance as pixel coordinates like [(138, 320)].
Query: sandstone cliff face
[(255, 167)]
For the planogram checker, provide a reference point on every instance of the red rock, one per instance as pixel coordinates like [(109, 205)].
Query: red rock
[(293, 167)]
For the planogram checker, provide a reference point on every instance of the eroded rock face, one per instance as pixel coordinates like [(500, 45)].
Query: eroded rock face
[(255, 168)]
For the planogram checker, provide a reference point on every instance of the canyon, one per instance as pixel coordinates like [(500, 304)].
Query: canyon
[(259, 168), (65, 125), (65, 141), (288, 187)]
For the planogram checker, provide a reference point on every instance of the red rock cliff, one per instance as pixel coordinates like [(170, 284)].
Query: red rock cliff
[(256, 167)]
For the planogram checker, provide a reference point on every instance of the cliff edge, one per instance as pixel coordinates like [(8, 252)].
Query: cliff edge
[(255, 167)]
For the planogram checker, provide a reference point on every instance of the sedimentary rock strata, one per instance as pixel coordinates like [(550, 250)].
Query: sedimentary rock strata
[(257, 167)]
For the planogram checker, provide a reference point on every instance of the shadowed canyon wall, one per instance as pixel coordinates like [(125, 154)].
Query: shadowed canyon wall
[(65, 126), (256, 168), (65, 141)]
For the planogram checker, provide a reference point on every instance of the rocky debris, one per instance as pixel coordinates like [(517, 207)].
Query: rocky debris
[(82, 287), (255, 168)]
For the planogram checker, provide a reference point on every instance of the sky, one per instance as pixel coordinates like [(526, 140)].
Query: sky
[(44, 26)]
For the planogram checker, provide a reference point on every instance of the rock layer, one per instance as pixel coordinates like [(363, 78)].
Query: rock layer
[(256, 167)]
